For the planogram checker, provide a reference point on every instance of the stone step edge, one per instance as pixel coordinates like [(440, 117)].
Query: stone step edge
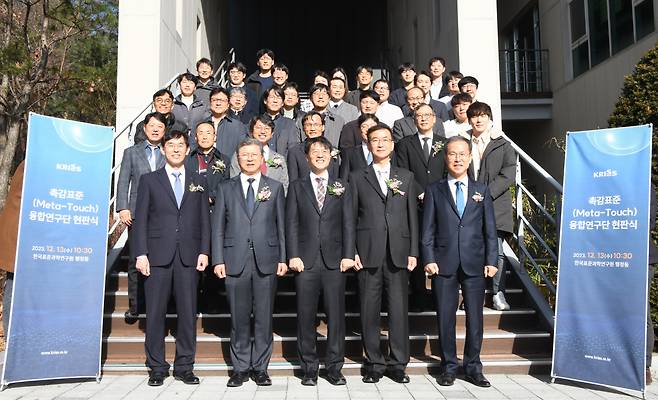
[(122, 293), (278, 338), (282, 365), (486, 311)]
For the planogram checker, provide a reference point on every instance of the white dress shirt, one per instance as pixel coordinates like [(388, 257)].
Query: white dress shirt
[(421, 139), (383, 174), (388, 113), (245, 183), (436, 87), (325, 176), (170, 170), (454, 128)]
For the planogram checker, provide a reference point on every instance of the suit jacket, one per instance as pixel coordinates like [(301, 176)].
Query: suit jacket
[(172, 125), (277, 173), (398, 97), (407, 127), (351, 159), (298, 165), (134, 164), (346, 111), (497, 171), (233, 230), (450, 241), (9, 218), (383, 218), (310, 231), (333, 125), (410, 156), (350, 135), (162, 227), (286, 135), (230, 132), (213, 174)]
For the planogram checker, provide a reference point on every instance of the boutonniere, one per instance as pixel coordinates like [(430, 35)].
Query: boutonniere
[(436, 148), (264, 194), (218, 166), (195, 188), (477, 197), (276, 162), (337, 189), (335, 153), (394, 185)]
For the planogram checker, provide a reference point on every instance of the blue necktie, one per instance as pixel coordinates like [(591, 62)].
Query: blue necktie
[(251, 201), (152, 156), (459, 198), (369, 158), (178, 188)]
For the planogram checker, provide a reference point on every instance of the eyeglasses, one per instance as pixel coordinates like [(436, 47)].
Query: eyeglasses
[(175, 146), (312, 125), (248, 155), (424, 116), (163, 101), (469, 86), (216, 100), (377, 142), (416, 98), (323, 152), (454, 156)]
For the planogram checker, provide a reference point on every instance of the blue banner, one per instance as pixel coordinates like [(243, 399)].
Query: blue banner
[(57, 308), (600, 317)]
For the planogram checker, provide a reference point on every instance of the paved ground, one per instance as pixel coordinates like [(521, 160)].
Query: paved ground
[(283, 388)]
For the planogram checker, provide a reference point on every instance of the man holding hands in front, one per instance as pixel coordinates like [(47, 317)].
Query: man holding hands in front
[(459, 247)]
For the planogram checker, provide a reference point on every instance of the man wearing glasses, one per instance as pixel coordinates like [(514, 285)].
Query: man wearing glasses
[(163, 102), (229, 130), (407, 126)]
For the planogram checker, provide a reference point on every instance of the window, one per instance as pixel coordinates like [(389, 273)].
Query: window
[(601, 28)]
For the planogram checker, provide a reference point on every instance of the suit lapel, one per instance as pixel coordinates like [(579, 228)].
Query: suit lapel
[(188, 181), (308, 188), (447, 192), (372, 179), (416, 145), (261, 184), (469, 198), (166, 183), (237, 189)]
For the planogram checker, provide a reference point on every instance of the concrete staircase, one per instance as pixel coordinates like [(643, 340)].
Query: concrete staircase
[(514, 341)]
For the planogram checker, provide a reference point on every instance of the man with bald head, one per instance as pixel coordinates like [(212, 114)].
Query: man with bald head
[(407, 126)]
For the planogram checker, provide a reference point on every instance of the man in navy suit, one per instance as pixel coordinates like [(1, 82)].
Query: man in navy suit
[(384, 205), (249, 250), (459, 247), (172, 239), (320, 247)]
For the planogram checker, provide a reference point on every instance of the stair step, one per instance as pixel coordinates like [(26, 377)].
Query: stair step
[(509, 364)]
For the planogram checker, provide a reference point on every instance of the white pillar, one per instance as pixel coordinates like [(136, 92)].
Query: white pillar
[(477, 27)]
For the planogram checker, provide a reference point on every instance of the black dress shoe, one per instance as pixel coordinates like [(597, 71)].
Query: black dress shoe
[(446, 379), (478, 380), (131, 315), (157, 379), (336, 378), (398, 376), (261, 378), (187, 378), (310, 379), (371, 377), (237, 379)]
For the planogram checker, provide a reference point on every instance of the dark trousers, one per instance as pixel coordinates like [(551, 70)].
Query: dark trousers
[(446, 297), (498, 280), (158, 287), (135, 281), (251, 292), (372, 282), (316, 279)]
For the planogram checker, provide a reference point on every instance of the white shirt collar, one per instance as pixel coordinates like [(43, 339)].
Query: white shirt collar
[(324, 175)]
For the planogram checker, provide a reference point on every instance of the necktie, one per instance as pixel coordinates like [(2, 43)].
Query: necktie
[(459, 198), (335, 105), (369, 158), (251, 199), (153, 157), (322, 190), (263, 168), (178, 187), (426, 148)]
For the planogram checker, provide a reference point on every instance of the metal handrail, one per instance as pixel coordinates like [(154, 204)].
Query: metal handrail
[(221, 71)]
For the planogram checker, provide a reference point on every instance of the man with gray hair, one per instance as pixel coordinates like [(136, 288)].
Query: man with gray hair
[(249, 252), (238, 109)]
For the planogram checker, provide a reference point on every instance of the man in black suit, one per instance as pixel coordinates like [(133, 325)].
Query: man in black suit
[(320, 246), (249, 251), (407, 126), (422, 154), (350, 134), (206, 160), (297, 161), (358, 157), (459, 247), (172, 238), (384, 204)]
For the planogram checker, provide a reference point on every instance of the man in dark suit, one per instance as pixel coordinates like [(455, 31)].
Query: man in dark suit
[(384, 204), (249, 251), (350, 135), (459, 247), (297, 161), (286, 133), (172, 240), (139, 159), (207, 161), (358, 157), (229, 131), (407, 126), (422, 154), (320, 246)]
